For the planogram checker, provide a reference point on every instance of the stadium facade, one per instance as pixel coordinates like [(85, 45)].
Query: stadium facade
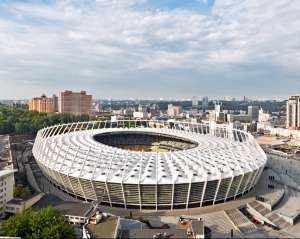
[(144, 164)]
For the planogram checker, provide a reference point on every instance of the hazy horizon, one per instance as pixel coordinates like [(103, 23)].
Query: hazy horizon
[(123, 49)]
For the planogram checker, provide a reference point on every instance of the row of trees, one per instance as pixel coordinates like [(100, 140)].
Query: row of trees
[(19, 120), (37, 224)]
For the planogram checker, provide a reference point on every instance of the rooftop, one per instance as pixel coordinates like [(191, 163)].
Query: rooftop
[(105, 229), (66, 208), (223, 153)]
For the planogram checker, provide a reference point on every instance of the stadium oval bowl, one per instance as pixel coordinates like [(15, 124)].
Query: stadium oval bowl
[(158, 165)]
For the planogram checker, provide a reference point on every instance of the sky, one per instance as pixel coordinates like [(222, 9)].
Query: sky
[(150, 48)]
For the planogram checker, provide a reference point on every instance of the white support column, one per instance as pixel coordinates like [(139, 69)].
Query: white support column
[(93, 126), (83, 193), (56, 129), (81, 125), (123, 195), (50, 131), (61, 128), (87, 126), (46, 163), (254, 178), (217, 190), (67, 127), (75, 129), (246, 184), (237, 189), (188, 195), (68, 174), (156, 178), (156, 196), (45, 132), (204, 189), (140, 196), (139, 180), (173, 189), (228, 190), (108, 194)]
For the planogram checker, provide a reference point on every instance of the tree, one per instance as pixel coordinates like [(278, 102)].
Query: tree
[(22, 192), (22, 121), (38, 224)]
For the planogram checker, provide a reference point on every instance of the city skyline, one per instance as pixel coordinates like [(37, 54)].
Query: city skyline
[(149, 49)]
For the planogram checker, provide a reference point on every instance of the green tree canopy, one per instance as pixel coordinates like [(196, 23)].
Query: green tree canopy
[(22, 192), (20, 120), (37, 224)]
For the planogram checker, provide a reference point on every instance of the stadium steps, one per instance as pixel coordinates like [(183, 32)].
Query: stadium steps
[(278, 220), (241, 221), (272, 216), (220, 223), (259, 207)]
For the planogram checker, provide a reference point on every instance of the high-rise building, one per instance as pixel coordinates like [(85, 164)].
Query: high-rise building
[(55, 103), (253, 112), (44, 104), (194, 101), (218, 108), (205, 102), (262, 116), (77, 103), (293, 112), (218, 115)]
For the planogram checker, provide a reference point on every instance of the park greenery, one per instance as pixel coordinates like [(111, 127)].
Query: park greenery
[(37, 224), (19, 120), (23, 192)]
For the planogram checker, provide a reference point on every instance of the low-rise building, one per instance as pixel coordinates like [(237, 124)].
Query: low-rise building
[(18, 205), (240, 118), (174, 111), (140, 115)]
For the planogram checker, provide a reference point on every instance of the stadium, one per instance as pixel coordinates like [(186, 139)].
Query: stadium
[(155, 165)]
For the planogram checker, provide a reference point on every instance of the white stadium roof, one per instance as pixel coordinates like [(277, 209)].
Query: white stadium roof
[(79, 155)]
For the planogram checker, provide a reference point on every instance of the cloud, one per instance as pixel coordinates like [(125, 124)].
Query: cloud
[(119, 48)]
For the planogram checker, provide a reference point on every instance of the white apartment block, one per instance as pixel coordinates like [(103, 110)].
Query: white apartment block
[(6, 189)]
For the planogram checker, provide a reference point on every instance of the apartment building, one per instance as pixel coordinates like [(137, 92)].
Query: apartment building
[(77, 103), (44, 104), (6, 189), (293, 112)]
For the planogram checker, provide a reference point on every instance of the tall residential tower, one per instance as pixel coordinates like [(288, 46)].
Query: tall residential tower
[(293, 112), (77, 103), (44, 104)]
